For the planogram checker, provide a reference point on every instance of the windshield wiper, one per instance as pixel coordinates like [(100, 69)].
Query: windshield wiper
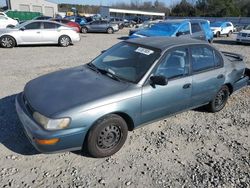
[(93, 67), (110, 74)]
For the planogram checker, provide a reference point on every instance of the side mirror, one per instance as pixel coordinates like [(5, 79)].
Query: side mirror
[(22, 28), (179, 33), (159, 80)]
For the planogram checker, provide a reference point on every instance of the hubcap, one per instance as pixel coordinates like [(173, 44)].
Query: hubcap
[(220, 99), (109, 30), (109, 137), (7, 42), (65, 41)]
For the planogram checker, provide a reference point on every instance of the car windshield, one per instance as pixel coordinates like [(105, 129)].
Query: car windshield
[(170, 27), (126, 61), (216, 24), (247, 27)]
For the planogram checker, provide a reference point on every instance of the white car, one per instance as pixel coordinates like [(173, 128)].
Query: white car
[(3, 14), (244, 35), (6, 21), (222, 28), (38, 32)]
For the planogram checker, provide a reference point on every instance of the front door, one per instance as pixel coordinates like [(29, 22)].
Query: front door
[(159, 101), (197, 31), (31, 34)]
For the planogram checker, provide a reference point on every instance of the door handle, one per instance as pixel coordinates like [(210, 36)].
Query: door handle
[(186, 86), (220, 76)]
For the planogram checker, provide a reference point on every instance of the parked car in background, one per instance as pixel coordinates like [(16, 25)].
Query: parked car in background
[(100, 26), (80, 20), (244, 35), (6, 21), (222, 28), (42, 18), (194, 28), (144, 25), (69, 23), (132, 84), (129, 23), (38, 32), (118, 21), (3, 14)]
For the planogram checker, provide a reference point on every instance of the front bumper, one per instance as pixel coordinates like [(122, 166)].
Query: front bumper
[(69, 139)]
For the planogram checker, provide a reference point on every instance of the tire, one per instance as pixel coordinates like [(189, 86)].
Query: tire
[(84, 30), (121, 26), (110, 30), (229, 34), (64, 41), (7, 42), (218, 34), (106, 136), (220, 100)]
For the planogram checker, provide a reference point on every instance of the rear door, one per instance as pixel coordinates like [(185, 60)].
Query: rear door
[(208, 74), (197, 31), (94, 26), (50, 32), (32, 33)]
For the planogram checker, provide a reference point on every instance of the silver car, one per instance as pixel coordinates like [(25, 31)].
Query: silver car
[(38, 32)]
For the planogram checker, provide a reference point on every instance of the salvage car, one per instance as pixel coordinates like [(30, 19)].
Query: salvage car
[(69, 23), (100, 26), (222, 28), (6, 21), (38, 32), (193, 28), (135, 82), (244, 35)]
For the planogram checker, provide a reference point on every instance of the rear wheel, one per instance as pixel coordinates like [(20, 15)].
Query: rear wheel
[(7, 42), (107, 136), (64, 41), (220, 100), (84, 30), (110, 30)]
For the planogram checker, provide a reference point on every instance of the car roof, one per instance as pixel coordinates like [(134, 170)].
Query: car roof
[(163, 43), (185, 20)]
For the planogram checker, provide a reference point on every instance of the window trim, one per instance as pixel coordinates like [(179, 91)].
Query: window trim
[(209, 69)]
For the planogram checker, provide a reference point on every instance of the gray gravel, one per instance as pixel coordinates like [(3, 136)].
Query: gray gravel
[(192, 149)]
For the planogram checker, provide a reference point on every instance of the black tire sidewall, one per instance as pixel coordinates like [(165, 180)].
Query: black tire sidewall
[(212, 106), (61, 38), (13, 42), (95, 130)]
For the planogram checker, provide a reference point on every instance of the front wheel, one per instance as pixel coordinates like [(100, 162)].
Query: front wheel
[(229, 34), (107, 136), (64, 41), (84, 30), (220, 100), (7, 42)]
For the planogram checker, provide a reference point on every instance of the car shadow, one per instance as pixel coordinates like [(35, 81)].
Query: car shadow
[(123, 38), (12, 135), (226, 42)]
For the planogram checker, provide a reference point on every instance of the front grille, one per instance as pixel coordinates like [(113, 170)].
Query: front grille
[(27, 105)]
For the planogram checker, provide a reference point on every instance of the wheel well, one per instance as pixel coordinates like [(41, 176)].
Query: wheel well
[(128, 120), (9, 36), (230, 87)]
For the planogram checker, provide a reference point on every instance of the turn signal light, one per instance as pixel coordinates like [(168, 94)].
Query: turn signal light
[(47, 141)]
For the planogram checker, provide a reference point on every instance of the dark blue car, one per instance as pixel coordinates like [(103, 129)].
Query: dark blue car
[(195, 28)]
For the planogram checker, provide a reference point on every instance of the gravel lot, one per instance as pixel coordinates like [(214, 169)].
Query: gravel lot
[(192, 149)]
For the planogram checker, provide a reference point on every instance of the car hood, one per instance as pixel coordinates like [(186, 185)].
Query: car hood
[(152, 32), (60, 91), (7, 30)]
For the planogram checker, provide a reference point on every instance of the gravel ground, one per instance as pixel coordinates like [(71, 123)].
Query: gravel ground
[(192, 149)]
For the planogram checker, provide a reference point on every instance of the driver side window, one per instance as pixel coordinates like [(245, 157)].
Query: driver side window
[(174, 64), (185, 29), (34, 25)]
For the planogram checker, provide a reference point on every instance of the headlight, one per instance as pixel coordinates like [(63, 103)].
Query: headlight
[(51, 124)]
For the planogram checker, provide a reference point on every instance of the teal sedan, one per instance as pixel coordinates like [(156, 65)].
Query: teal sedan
[(135, 82)]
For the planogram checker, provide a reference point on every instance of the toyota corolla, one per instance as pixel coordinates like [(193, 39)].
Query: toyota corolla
[(135, 82)]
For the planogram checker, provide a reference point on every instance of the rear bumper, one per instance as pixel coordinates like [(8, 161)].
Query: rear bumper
[(243, 82), (69, 139)]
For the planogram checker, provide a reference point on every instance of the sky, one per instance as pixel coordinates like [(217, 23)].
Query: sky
[(99, 2)]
